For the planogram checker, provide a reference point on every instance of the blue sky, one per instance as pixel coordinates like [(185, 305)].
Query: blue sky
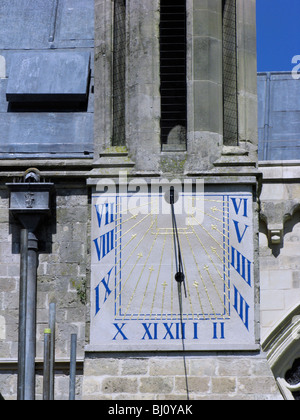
[(278, 34)]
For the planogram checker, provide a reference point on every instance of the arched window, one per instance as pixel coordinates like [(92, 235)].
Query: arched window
[(292, 377), (283, 352)]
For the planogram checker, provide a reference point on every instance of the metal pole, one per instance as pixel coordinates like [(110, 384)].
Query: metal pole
[(22, 314), (72, 367), (46, 370), (31, 318), (52, 315)]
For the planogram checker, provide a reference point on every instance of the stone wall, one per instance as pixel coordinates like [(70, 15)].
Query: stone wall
[(210, 377), (161, 375), (64, 261), (279, 242), (63, 275)]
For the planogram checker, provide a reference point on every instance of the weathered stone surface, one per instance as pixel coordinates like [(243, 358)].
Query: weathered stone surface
[(163, 378), (64, 269)]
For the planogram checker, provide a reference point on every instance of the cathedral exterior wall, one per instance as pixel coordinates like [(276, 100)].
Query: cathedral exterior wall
[(213, 377), (63, 278), (81, 243)]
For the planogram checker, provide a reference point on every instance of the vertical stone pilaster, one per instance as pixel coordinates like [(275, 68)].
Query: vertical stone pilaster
[(207, 66), (103, 76), (143, 103), (247, 76)]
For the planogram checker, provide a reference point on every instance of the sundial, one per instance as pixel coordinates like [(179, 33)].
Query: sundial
[(136, 302)]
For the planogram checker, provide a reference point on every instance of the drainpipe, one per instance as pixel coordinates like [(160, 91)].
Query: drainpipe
[(30, 343), (27, 307), (29, 204), (22, 313)]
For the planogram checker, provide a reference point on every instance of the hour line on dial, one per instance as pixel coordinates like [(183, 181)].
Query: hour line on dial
[(212, 237), (160, 262), (122, 287), (164, 285), (138, 285), (206, 267), (151, 269), (134, 284), (196, 285), (203, 282)]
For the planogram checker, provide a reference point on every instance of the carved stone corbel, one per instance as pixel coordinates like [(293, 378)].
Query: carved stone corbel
[(275, 233), (275, 214)]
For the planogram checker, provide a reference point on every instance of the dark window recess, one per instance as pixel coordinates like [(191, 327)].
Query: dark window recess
[(119, 62), (173, 86), (292, 377), (230, 103), (47, 106)]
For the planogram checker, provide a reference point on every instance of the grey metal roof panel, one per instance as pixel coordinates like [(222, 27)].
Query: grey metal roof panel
[(278, 116), (46, 26), (282, 150), (75, 20), (49, 76), (25, 24), (46, 132), (37, 24)]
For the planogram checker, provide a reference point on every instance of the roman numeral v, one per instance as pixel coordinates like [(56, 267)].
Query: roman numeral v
[(239, 235)]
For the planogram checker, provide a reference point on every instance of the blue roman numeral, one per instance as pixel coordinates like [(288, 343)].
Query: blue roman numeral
[(104, 244), (106, 210), (238, 232), (179, 331), (241, 307), (241, 209), (151, 335), (119, 331), (241, 264), (215, 330), (105, 283), (243, 204)]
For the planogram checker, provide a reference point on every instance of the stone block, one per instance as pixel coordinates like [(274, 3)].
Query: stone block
[(207, 114), (257, 385), (91, 386), (4, 215), (202, 367), (272, 300), (71, 252), (74, 215), (134, 367), (223, 385), (119, 385), (196, 384), (207, 60), (2, 328), (207, 23), (166, 367), (234, 368), (156, 385), (212, 5)]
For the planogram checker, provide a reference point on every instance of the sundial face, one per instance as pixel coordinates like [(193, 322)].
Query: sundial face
[(134, 296)]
